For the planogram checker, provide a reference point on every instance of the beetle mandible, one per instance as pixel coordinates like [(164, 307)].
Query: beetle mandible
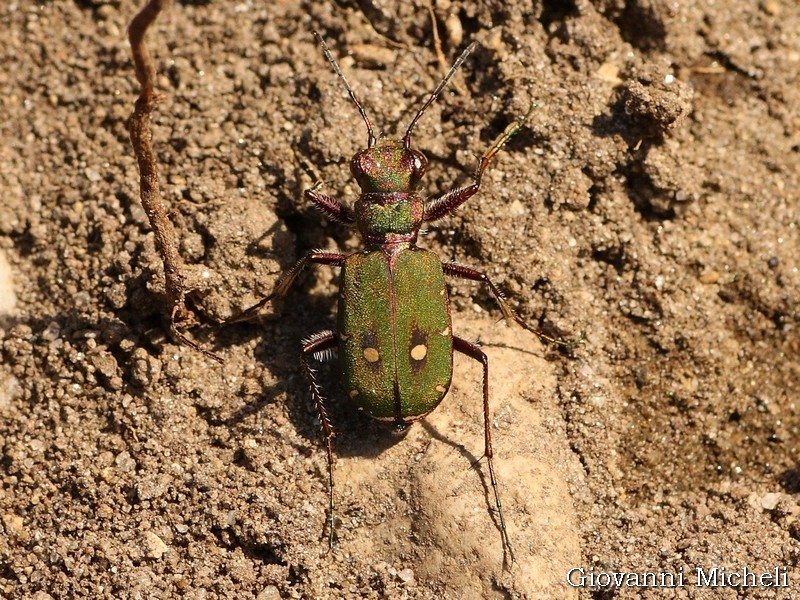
[(394, 333)]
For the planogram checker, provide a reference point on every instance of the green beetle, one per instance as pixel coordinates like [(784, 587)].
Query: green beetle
[(394, 333)]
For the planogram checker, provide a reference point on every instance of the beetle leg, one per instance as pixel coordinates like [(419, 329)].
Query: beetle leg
[(322, 342), (449, 202), (331, 207), (474, 352), (452, 268), (333, 259)]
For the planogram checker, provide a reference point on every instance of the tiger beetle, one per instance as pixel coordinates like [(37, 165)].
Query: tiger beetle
[(394, 335)]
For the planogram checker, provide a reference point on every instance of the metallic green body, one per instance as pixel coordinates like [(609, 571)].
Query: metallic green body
[(395, 338)]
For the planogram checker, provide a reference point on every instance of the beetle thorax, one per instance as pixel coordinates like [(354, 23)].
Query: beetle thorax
[(389, 210)]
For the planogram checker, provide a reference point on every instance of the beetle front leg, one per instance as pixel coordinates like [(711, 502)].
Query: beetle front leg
[(322, 342), (333, 259), (449, 202), (445, 205), (452, 268), (331, 207), (471, 350)]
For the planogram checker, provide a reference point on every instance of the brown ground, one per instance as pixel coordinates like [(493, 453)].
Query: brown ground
[(649, 210)]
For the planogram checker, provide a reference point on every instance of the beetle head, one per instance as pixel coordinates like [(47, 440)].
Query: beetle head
[(388, 166)]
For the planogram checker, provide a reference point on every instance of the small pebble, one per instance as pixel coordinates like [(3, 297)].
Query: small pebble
[(455, 31), (773, 262), (145, 369), (51, 332), (370, 55), (125, 462), (15, 526), (770, 501), (517, 209), (154, 545), (8, 297), (771, 7), (406, 576), (709, 276), (269, 593)]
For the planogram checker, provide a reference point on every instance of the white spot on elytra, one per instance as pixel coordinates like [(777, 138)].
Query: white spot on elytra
[(371, 355), (419, 352)]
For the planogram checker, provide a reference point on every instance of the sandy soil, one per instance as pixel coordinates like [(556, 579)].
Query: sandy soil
[(649, 210)]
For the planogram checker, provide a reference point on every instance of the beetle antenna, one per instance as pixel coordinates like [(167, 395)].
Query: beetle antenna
[(335, 65), (437, 91)]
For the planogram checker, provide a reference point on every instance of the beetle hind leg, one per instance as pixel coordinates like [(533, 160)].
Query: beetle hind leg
[(474, 352), (320, 346)]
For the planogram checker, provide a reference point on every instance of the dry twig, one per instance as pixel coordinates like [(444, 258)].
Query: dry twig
[(149, 186), (437, 44)]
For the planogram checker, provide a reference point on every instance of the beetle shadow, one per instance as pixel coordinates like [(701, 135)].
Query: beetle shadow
[(551, 352), (355, 434), (789, 480), (505, 346), (363, 436), (474, 464)]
